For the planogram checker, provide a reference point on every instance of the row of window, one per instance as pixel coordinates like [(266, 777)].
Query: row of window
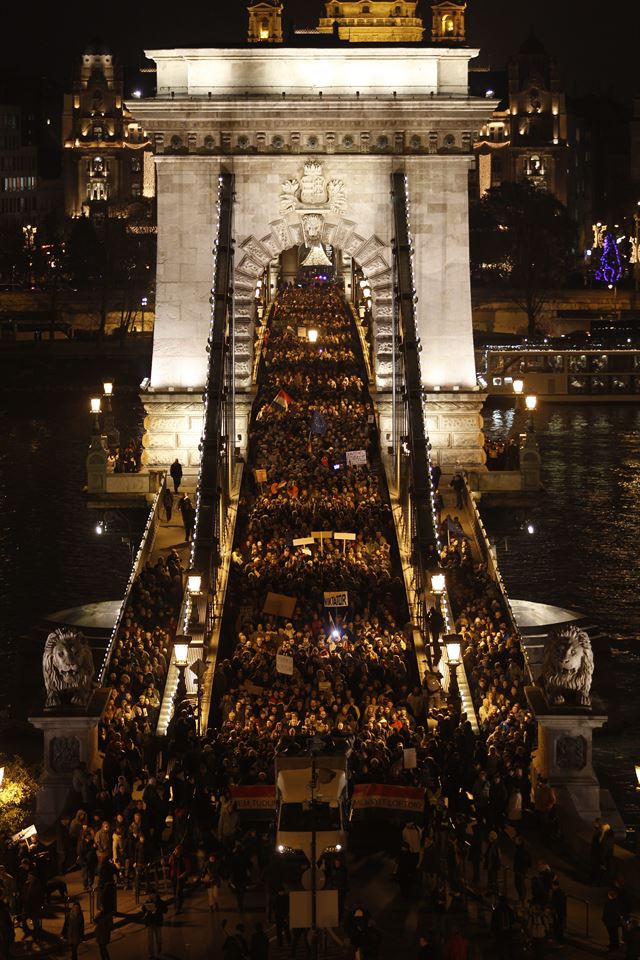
[(99, 190), (15, 184), (17, 164), (17, 204)]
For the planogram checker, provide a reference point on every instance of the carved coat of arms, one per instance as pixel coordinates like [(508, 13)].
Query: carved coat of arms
[(312, 190)]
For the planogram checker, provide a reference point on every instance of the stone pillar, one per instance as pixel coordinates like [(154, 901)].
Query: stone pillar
[(530, 463), (187, 224), (173, 426), (439, 206), (97, 467), (69, 739), (454, 426), (565, 754)]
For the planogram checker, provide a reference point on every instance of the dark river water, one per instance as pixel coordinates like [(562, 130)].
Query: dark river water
[(584, 554), (50, 555)]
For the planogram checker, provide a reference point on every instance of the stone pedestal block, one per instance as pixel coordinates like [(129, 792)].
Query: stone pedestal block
[(173, 425), (69, 739), (454, 427), (564, 753)]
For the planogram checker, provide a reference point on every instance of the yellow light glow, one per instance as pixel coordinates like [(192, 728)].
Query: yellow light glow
[(531, 402), (438, 582), (181, 651), (95, 405), (312, 335), (453, 651), (194, 582), (518, 387), (107, 386)]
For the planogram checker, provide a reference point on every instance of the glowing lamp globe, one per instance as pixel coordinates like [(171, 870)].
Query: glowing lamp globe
[(438, 582), (181, 650), (453, 651)]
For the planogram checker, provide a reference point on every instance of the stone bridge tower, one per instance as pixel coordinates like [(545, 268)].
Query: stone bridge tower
[(312, 135)]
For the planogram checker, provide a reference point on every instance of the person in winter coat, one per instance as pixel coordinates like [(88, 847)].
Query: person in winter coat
[(259, 945), (153, 911), (103, 924), (74, 924), (612, 920), (492, 862), (175, 470), (539, 926)]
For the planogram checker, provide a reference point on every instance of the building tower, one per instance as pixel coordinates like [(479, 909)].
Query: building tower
[(265, 22), (373, 21), (107, 157), (448, 24)]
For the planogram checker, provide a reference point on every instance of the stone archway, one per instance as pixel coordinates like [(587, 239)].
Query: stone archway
[(309, 226)]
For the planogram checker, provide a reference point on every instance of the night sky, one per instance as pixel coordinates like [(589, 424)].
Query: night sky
[(595, 51)]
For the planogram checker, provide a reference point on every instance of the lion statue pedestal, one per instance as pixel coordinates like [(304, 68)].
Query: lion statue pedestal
[(69, 721), (566, 719)]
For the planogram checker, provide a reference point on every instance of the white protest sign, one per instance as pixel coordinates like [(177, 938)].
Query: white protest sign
[(409, 758), (284, 664), (356, 458)]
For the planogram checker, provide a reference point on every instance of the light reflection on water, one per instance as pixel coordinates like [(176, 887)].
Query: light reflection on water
[(584, 554)]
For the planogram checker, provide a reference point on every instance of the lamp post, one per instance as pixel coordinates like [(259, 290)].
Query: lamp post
[(194, 586), (113, 435), (438, 583), (452, 644), (531, 402), (181, 654), (96, 436)]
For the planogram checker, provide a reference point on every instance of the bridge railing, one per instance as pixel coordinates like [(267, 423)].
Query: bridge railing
[(217, 478), (490, 560), (416, 490), (144, 552)]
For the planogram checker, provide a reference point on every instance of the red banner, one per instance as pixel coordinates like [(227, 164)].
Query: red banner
[(255, 797), (371, 796)]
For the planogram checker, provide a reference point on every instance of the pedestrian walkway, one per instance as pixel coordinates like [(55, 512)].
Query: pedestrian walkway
[(196, 932)]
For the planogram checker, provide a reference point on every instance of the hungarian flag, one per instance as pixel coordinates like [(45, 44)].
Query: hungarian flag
[(318, 423), (283, 399)]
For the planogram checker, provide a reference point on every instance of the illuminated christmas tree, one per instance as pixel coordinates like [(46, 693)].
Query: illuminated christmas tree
[(610, 266)]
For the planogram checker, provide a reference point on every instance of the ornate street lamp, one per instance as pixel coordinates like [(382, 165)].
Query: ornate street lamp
[(312, 334), (181, 653), (452, 643), (438, 582)]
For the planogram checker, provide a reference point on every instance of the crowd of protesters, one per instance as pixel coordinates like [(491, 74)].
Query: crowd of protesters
[(354, 677)]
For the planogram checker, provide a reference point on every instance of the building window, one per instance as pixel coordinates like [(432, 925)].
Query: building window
[(535, 166), (136, 190), (97, 190), (448, 26), (264, 29), (135, 165), (97, 131)]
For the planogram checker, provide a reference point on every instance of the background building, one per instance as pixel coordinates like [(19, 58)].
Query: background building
[(107, 161)]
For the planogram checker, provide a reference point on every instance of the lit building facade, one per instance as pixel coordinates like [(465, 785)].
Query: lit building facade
[(107, 160), (373, 21)]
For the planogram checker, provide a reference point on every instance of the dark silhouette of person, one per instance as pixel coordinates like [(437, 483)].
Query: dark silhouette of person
[(176, 474)]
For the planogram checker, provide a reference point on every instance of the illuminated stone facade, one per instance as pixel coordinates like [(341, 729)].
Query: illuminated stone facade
[(310, 166), (265, 22), (104, 160), (373, 21)]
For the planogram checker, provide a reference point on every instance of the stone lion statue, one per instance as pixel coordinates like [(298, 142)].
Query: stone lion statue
[(67, 667), (567, 667)]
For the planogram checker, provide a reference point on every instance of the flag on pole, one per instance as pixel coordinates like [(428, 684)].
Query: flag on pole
[(283, 399), (318, 423)]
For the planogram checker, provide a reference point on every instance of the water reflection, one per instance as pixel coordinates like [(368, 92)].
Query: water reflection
[(50, 557), (584, 552)]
